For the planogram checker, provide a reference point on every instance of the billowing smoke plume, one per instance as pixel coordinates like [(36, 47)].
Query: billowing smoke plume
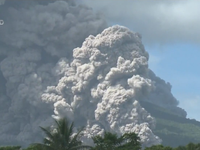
[(53, 64)]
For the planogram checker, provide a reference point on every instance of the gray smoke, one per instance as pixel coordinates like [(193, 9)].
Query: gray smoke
[(49, 70), (2, 2)]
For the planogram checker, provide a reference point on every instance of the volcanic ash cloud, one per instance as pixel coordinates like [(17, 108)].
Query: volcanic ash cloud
[(102, 86), (45, 72), (2, 2), (34, 37)]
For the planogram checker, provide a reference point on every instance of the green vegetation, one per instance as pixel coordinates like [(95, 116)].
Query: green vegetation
[(10, 148), (61, 138), (172, 129), (110, 141), (190, 146), (175, 133), (159, 147)]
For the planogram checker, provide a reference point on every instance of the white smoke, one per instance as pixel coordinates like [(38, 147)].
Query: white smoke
[(103, 83), (46, 72)]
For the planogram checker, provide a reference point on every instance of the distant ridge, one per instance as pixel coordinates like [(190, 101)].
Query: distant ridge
[(171, 128)]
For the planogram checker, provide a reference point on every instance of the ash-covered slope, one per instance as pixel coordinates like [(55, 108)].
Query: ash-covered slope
[(99, 84)]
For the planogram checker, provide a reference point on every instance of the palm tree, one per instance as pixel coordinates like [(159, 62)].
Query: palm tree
[(110, 141), (62, 138)]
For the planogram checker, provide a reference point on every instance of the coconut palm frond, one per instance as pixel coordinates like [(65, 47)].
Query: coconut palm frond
[(75, 138), (81, 147), (42, 146), (48, 133), (63, 138)]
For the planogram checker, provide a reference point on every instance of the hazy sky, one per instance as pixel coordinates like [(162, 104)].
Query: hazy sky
[(170, 31)]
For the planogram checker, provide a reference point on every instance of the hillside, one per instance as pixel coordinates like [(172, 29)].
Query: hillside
[(172, 129)]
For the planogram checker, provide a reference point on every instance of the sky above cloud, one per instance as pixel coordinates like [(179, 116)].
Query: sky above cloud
[(178, 64), (170, 31), (158, 21)]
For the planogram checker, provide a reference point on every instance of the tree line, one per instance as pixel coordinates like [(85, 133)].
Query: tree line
[(64, 138)]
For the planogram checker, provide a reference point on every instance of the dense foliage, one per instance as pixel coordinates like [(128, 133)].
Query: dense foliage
[(110, 141), (190, 146), (10, 148), (63, 137)]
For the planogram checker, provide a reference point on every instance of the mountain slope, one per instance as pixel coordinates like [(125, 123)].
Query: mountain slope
[(171, 128)]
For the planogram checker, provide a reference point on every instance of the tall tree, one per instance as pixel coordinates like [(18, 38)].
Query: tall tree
[(62, 137), (159, 147), (10, 148), (110, 141)]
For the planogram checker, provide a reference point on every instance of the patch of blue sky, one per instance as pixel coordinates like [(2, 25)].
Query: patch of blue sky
[(168, 22), (179, 64)]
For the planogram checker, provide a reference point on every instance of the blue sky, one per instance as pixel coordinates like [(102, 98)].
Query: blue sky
[(170, 33), (179, 65)]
